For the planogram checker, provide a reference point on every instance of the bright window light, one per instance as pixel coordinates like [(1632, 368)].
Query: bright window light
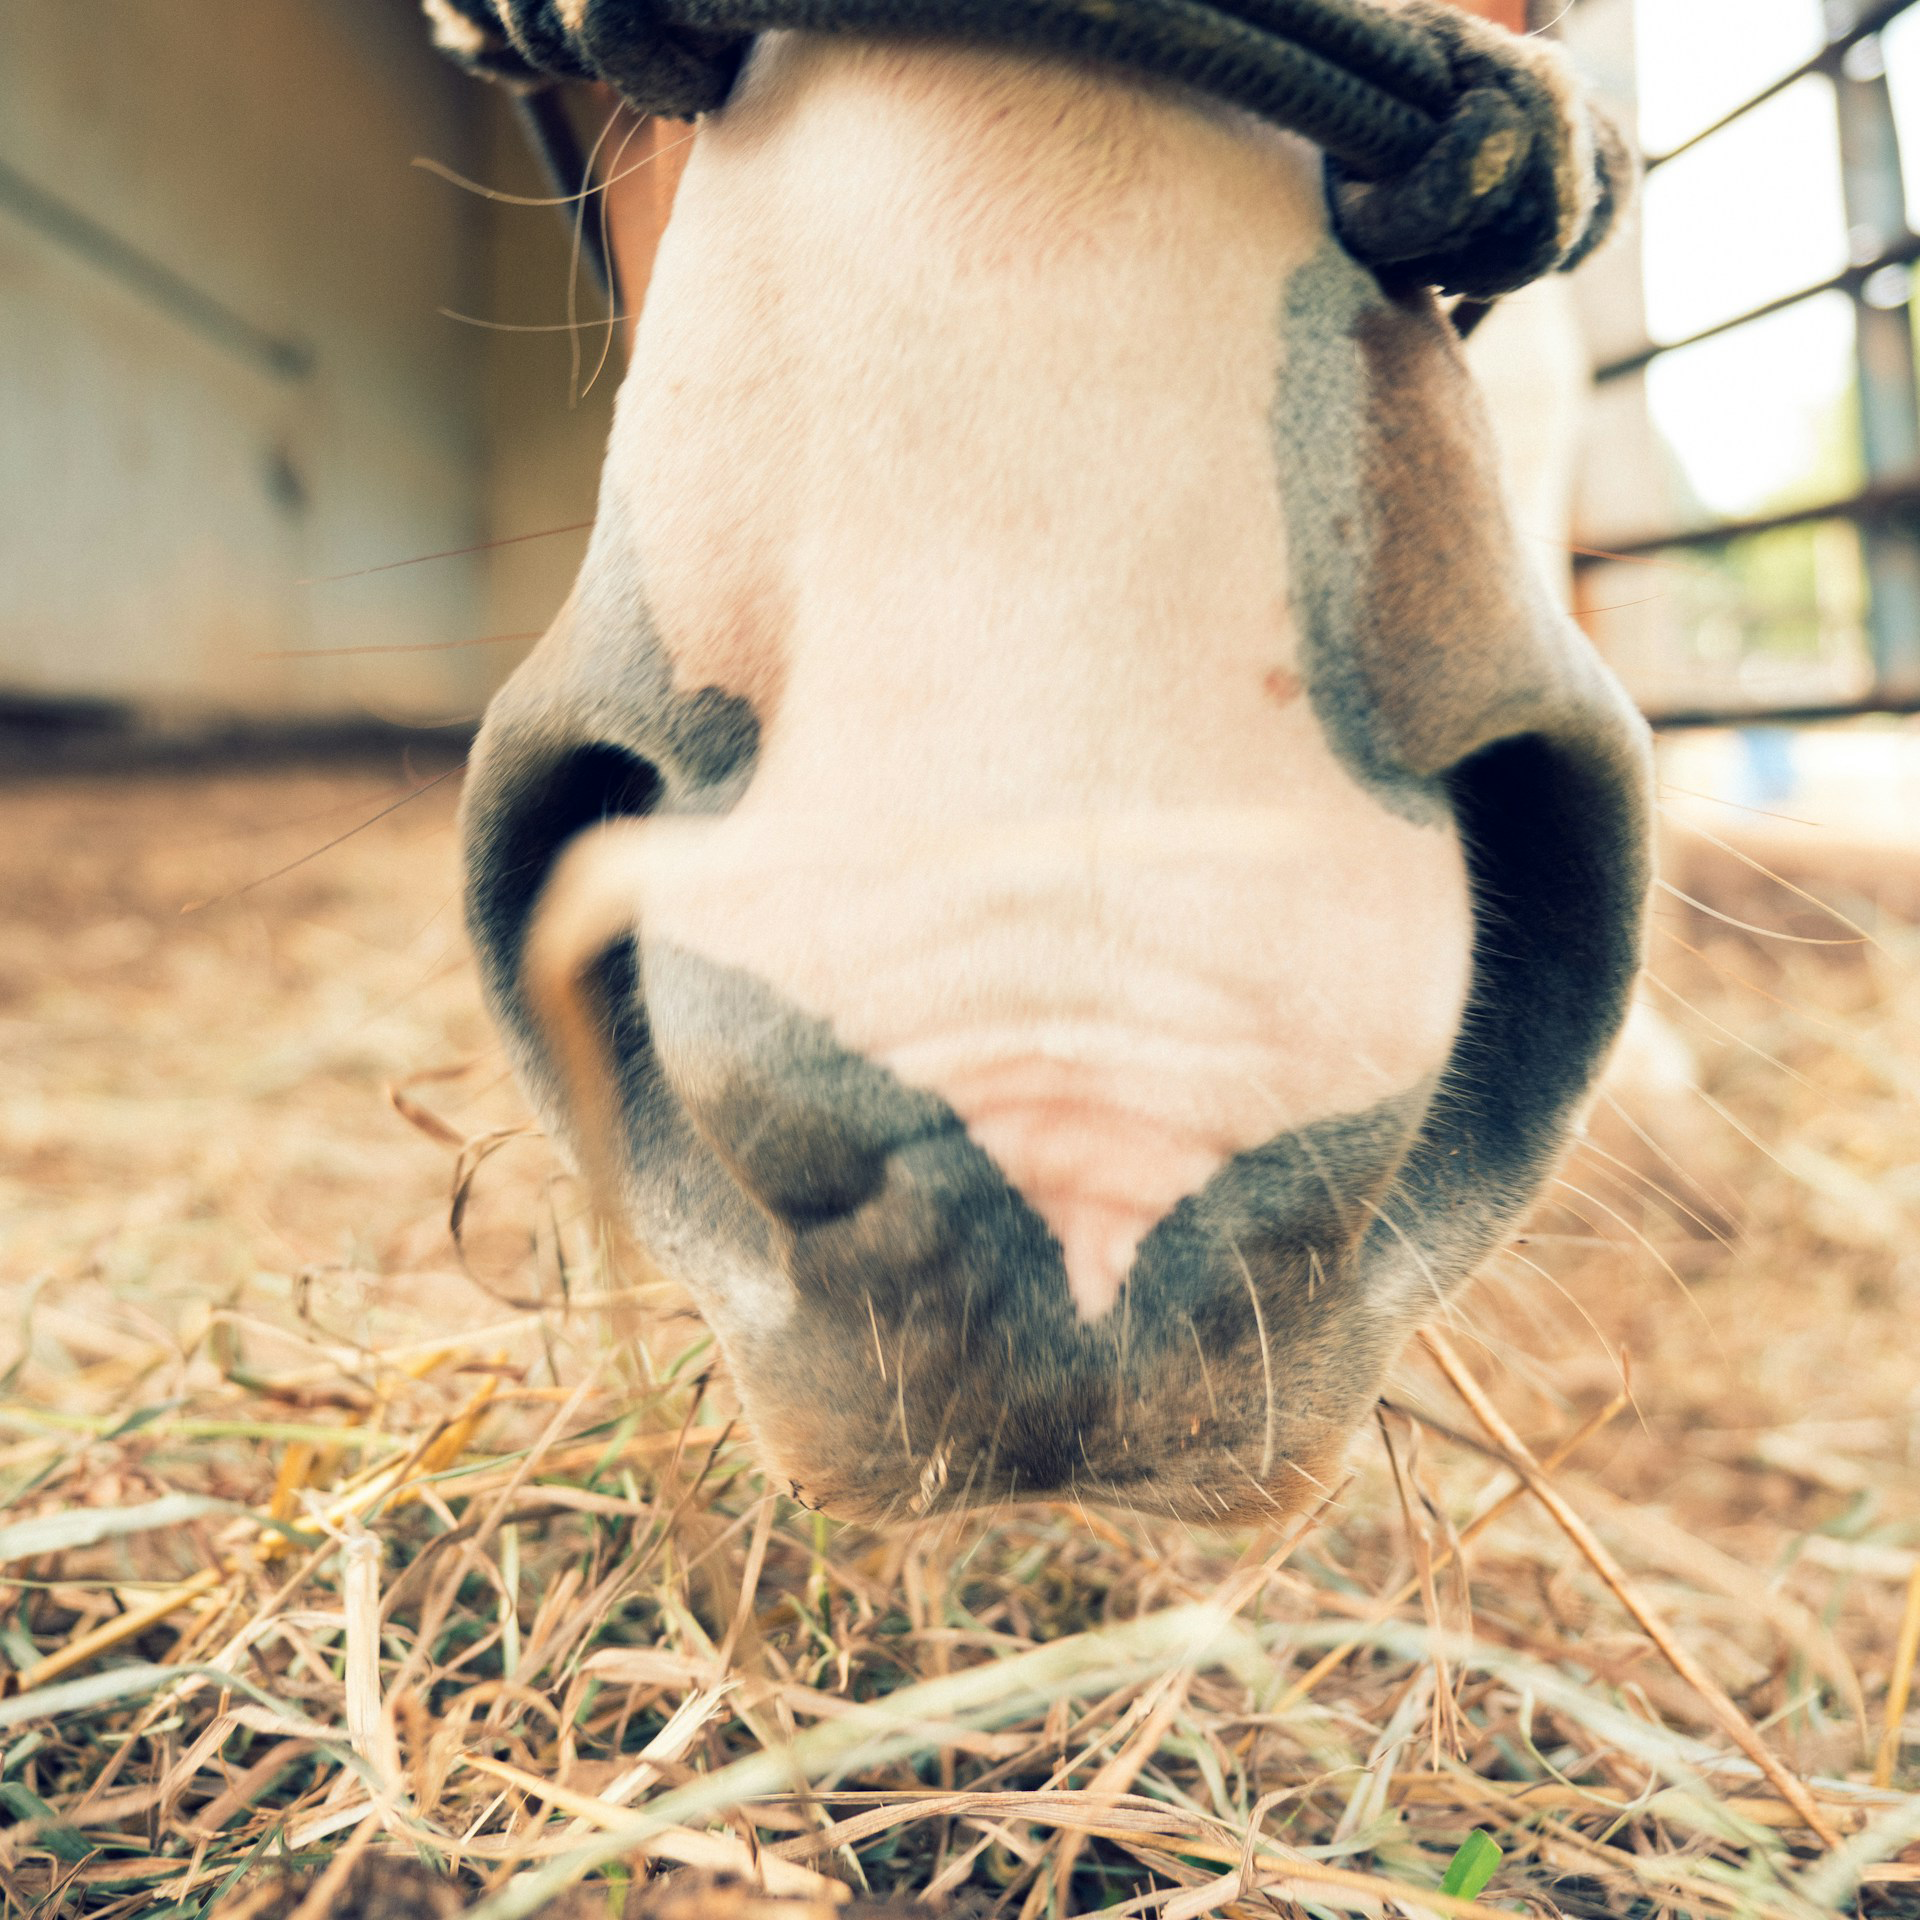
[(1698, 59), (1763, 417), (1900, 48), (1747, 216)]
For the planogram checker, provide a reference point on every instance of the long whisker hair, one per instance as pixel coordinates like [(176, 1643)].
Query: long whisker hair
[(398, 646), (1764, 933), (576, 245), (1766, 872), (529, 326), (1662, 1193), (406, 799), (1727, 1033), (441, 171), (445, 553)]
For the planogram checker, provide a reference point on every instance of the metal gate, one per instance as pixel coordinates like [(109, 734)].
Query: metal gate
[(1876, 516)]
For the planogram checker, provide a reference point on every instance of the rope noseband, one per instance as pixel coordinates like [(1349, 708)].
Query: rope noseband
[(1458, 155)]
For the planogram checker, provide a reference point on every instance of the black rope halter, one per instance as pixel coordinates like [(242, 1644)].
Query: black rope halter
[(1457, 155)]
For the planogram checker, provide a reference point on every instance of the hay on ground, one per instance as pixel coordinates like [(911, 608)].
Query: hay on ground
[(327, 1541)]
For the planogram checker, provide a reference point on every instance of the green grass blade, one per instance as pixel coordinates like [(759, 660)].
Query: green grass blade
[(1472, 1866)]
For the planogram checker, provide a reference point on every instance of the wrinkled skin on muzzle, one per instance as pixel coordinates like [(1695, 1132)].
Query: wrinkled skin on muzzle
[(1119, 878)]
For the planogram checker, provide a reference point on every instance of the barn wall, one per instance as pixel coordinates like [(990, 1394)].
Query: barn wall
[(549, 393), (224, 368)]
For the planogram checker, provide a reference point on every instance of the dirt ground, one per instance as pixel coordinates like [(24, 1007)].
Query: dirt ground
[(242, 1070)]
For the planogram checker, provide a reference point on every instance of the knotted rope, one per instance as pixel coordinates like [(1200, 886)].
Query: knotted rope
[(1458, 155)]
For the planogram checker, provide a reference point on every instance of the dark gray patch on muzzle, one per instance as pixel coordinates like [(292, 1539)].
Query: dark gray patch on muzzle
[(1448, 681)]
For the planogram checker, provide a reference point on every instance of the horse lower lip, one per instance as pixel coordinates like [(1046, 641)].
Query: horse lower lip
[(904, 1325)]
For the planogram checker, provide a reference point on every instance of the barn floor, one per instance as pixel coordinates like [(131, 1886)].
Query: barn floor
[(321, 1535)]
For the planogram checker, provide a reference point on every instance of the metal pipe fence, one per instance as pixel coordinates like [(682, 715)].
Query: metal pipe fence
[(1884, 247)]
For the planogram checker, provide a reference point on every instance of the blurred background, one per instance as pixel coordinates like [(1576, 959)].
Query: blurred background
[(255, 333), (248, 340), (1748, 478), (275, 314)]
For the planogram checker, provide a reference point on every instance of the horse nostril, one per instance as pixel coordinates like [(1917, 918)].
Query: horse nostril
[(518, 824)]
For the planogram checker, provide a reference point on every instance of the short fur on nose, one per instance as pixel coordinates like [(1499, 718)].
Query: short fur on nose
[(845, 1166), (866, 1181)]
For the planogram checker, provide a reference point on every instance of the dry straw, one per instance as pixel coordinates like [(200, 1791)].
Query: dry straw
[(330, 1569)]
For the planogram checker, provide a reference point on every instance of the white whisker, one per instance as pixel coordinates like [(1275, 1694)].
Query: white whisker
[(1266, 1359)]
